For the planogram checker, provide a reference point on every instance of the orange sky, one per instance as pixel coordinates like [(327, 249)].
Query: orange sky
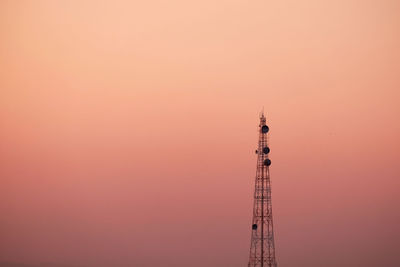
[(128, 131)]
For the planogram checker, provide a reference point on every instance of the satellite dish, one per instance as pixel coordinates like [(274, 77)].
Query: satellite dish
[(264, 129), (266, 150), (267, 162)]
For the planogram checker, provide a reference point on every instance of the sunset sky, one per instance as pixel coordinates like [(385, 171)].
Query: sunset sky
[(128, 131)]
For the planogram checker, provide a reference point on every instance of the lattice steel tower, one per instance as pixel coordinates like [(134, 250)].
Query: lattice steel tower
[(262, 248)]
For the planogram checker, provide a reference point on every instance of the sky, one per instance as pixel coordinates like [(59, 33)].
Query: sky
[(128, 131)]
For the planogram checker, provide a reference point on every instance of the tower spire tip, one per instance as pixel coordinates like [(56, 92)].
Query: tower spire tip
[(262, 116)]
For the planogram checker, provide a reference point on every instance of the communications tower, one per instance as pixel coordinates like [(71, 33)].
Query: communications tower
[(262, 247)]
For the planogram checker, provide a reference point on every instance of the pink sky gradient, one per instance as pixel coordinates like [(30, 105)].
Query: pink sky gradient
[(128, 130)]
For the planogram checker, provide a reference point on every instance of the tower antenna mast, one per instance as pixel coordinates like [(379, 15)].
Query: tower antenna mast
[(262, 247)]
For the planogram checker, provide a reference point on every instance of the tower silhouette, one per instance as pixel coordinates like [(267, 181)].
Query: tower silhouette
[(262, 247)]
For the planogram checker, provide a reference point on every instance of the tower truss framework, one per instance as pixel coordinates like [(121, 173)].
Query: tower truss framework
[(262, 247)]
